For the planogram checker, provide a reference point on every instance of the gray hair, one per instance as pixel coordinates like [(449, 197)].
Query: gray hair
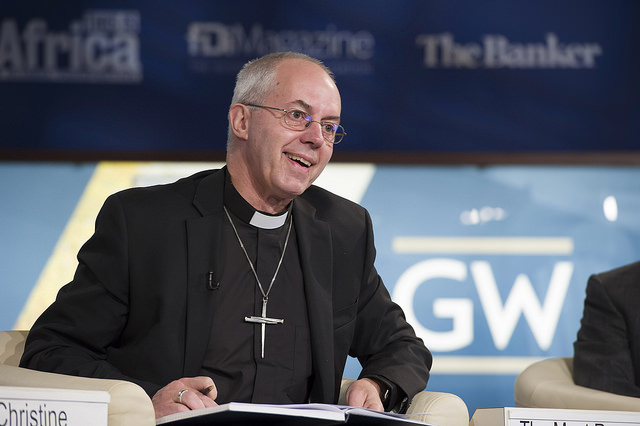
[(257, 78)]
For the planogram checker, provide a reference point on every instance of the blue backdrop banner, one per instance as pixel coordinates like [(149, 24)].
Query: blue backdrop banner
[(415, 75)]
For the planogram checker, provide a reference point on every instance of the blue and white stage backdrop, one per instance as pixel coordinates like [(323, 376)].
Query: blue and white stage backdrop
[(489, 263), (415, 75)]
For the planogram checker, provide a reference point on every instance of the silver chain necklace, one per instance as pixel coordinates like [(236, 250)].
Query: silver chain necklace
[(263, 320)]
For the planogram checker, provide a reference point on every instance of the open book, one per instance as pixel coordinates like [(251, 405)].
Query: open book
[(240, 413)]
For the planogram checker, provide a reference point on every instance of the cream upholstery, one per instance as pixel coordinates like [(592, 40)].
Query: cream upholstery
[(130, 405), (549, 384), (436, 408)]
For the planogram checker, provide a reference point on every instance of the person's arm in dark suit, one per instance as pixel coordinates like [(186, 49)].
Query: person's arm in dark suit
[(79, 332), (385, 344), (602, 354), (73, 335)]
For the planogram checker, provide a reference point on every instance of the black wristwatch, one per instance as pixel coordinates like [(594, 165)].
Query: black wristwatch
[(393, 399), (385, 394), (385, 391)]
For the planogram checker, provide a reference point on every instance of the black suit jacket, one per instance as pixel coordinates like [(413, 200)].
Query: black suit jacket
[(140, 303), (607, 350)]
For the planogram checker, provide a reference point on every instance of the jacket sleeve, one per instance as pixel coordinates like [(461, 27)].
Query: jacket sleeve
[(385, 344), (74, 334), (602, 356)]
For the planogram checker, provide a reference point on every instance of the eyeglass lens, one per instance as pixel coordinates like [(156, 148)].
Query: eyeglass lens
[(298, 120)]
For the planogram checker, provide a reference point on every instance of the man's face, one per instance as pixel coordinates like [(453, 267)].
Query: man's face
[(283, 163)]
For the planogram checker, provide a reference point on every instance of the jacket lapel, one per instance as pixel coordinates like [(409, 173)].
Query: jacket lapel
[(317, 267), (203, 237)]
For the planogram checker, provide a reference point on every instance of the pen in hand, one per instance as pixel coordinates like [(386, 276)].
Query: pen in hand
[(206, 390)]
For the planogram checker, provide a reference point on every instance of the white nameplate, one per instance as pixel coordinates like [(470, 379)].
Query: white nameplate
[(516, 416), (21, 406)]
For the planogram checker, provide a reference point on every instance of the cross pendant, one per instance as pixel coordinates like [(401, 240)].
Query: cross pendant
[(263, 321)]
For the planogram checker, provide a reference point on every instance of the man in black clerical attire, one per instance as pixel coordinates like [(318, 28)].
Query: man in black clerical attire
[(247, 279)]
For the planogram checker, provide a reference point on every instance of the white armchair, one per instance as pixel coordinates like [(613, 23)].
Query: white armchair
[(549, 384), (129, 406)]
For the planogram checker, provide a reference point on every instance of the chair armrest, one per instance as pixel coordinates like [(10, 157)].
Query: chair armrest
[(130, 405), (549, 384), (12, 346), (436, 408), (439, 408)]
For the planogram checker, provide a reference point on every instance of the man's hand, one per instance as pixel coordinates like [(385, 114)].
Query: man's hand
[(364, 393), (183, 395)]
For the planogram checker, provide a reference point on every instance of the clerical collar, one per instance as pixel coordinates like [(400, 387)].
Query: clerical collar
[(245, 212)]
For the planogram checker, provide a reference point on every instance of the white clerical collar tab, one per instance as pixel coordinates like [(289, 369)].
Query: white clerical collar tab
[(261, 220)]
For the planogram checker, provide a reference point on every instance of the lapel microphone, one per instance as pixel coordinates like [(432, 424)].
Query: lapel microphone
[(210, 282)]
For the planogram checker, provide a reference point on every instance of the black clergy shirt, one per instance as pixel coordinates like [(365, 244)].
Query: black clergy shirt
[(233, 358)]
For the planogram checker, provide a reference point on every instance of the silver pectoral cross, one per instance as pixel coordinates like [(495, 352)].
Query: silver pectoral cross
[(263, 320)]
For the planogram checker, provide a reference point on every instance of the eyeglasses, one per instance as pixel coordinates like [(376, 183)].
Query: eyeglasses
[(295, 119)]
